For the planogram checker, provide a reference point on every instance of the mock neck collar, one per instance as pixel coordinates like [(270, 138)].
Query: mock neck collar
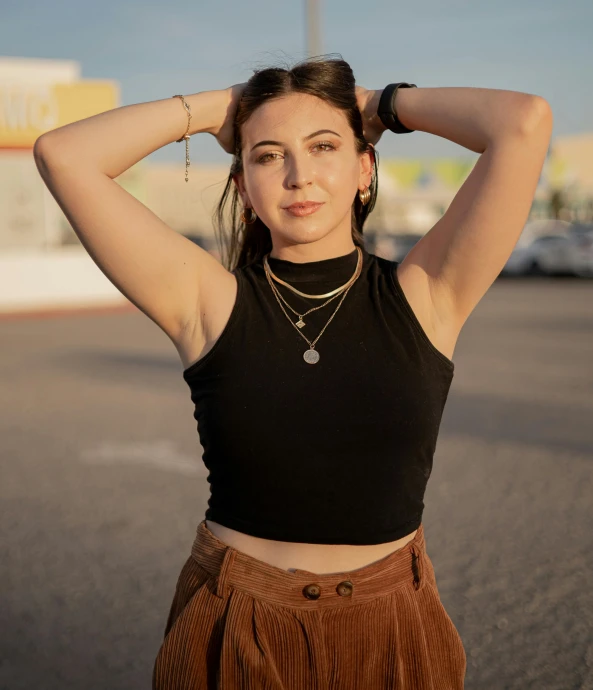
[(336, 268)]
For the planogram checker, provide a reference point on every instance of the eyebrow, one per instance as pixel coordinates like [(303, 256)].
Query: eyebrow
[(310, 136)]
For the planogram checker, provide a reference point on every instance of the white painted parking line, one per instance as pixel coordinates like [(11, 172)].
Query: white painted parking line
[(161, 454)]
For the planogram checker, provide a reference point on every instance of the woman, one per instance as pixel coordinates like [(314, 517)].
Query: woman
[(319, 371)]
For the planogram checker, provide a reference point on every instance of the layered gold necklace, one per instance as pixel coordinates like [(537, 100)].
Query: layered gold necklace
[(311, 356)]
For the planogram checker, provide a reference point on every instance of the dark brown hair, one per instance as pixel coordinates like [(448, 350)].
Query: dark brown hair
[(330, 79)]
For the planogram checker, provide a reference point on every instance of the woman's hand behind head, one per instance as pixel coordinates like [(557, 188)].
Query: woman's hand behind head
[(224, 130), (368, 103)]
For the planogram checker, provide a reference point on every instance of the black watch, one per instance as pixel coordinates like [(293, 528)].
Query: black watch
[(386, 109)]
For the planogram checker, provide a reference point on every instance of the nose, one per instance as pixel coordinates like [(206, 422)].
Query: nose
[(299, 172)]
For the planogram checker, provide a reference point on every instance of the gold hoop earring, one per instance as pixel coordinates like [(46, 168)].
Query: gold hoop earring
[(253, 216), (365, 196)]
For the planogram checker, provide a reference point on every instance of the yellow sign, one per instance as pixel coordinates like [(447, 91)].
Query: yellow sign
[(405, 172), (27, 111), (452, 172), (410, 173)]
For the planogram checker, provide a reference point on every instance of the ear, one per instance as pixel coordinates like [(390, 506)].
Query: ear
[(367, 162), (240, 184)]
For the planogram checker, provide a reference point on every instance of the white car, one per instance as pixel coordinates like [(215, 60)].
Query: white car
[(582, 251), (549, 254)]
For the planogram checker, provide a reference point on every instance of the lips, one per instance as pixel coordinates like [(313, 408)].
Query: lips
[(305, 204), (304, 208)]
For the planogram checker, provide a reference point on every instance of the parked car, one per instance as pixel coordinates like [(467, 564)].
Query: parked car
[(578, 229), (582, 251), (550, 254)]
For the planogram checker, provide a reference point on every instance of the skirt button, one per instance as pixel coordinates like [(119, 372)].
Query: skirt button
[(345, 588), (312, 591)]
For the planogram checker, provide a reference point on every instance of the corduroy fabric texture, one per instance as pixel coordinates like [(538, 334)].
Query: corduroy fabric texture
[(238, 623)]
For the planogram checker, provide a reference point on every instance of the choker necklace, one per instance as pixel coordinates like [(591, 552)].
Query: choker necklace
[(311, 356), (337, 291)]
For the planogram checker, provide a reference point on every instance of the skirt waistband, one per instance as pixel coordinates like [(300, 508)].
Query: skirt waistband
[(301, 588)]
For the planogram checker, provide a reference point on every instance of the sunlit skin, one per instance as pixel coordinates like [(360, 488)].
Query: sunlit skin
[(326, 168)]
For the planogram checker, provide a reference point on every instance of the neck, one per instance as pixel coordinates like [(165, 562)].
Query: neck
[(312, 251)]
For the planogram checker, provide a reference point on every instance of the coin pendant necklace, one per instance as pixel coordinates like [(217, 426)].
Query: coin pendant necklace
[(311, 356)]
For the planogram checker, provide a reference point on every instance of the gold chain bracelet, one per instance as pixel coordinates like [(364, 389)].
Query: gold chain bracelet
[(186, 136)]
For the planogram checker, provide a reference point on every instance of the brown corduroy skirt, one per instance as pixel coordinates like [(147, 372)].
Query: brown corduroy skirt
[(239, 623)]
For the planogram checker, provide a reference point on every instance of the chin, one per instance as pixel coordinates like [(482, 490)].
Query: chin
[(302, 236)]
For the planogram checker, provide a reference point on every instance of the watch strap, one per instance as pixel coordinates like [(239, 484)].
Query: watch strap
[(386, 110)]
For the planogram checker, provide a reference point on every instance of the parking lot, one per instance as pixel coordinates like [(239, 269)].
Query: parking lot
[(546, 247), (102, 489)]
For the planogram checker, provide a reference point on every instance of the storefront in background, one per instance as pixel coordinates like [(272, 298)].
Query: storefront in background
[(37, 96)]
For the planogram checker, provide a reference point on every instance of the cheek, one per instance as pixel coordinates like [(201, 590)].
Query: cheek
[(263, 185), (338, 169), (339, 181)]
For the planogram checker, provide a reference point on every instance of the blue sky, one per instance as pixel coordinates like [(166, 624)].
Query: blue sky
[(157, 49)]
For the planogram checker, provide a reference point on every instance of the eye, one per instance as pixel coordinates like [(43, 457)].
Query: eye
[(265, 157), (325, 143), (328, 144)]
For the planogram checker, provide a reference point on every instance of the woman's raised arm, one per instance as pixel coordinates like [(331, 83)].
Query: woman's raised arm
[(114, 141), (158, 269)]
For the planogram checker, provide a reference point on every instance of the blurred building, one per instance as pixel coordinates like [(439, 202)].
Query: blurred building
[(38, 95), (40, 265), (35, 96)]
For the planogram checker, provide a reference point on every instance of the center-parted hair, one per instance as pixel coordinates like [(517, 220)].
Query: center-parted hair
[(329, 78)]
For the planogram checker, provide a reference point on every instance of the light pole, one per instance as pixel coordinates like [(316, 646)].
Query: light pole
[(313, 32)]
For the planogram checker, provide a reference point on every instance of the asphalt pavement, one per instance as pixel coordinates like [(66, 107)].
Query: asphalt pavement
[(102, 488)]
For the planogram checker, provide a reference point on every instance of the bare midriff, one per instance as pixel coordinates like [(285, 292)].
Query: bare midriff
[(315, 558)]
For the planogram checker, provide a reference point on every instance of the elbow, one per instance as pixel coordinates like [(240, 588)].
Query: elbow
[(47, 156), (38, 155), (38, 146), (537, 116), (41, 147)]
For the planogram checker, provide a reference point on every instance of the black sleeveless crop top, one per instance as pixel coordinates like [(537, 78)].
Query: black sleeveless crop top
[(336, 452)]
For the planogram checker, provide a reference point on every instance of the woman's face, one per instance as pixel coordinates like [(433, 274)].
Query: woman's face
[(283, 164)]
